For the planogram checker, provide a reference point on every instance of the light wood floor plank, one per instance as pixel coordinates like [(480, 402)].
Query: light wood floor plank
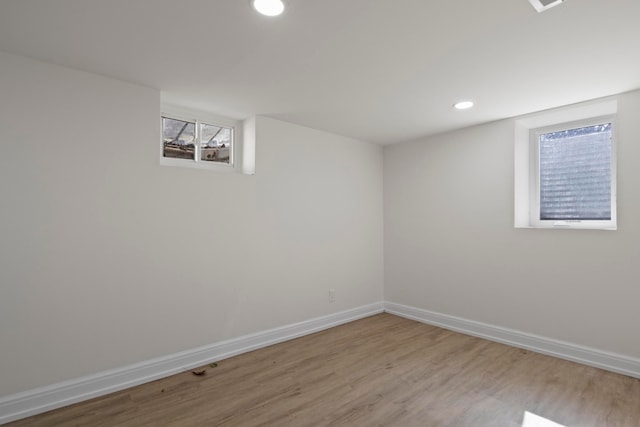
[(379, 371)]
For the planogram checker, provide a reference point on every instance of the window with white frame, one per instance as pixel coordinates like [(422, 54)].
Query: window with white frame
[(572, 175), (195, 140)]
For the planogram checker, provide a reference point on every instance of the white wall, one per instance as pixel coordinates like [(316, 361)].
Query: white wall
[(451, 248), (107, 258), (101, 266)]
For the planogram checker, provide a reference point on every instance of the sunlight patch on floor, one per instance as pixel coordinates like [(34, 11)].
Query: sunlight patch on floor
[(533, 420)]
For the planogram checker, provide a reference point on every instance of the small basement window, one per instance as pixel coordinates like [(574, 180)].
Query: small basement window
[(574, 174), (565, 174), (178, 139), (198, 140)]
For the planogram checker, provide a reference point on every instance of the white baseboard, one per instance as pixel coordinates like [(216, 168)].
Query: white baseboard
[(44, 399), (587, 356)]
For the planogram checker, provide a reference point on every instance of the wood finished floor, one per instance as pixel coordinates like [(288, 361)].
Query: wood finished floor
[(379, 371)]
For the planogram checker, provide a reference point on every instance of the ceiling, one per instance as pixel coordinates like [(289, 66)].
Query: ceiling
[(380, 71)]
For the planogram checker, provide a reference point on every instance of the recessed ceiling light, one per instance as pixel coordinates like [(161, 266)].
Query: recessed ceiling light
[(463, 105), (268, 7)]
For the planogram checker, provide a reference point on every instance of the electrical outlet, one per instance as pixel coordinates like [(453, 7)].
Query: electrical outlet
[(332, 295)]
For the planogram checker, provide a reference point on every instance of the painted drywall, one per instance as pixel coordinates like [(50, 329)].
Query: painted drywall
[(451, 247), (108, 258)]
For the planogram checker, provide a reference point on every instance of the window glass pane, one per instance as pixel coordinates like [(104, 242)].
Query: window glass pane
[(215, 143), (178, 138), (575, 174)]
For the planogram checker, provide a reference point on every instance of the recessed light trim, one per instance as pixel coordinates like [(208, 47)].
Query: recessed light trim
[(268, 7), (463, 105)]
